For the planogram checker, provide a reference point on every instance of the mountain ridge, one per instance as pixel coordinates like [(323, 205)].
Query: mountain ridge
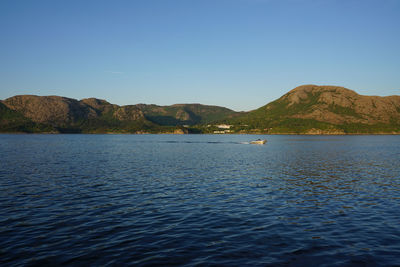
[(325, 109), (92, 115), (306, 109)]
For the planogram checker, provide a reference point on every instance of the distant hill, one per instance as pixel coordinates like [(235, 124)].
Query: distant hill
[(185, 114), (307, 109), (66, 115), (13, 121), (313, 109), (30, 113)]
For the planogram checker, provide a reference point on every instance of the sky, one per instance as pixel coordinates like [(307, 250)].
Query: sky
[(240, 54)]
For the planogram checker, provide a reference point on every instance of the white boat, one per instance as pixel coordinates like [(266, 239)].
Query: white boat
[(258, 142)]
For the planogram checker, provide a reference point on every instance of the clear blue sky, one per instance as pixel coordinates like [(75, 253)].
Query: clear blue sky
[(240, 54)]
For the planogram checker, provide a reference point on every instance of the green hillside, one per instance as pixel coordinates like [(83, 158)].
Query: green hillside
[(323, 110), (12, 121), (307, 109), (185, 114)]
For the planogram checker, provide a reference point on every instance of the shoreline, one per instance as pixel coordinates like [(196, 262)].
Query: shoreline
[(304, 134)]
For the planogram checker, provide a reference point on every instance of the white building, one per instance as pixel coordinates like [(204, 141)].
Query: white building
[(224, 126)]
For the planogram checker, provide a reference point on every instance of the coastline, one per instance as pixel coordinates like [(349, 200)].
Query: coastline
[(171, 133)]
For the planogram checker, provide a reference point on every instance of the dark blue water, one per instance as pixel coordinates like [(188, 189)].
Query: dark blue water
[(199, 200)]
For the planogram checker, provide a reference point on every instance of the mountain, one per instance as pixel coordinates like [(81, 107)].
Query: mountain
[(313, 109), (61, 114), (30, 113), (13, 121), (185, 114), (307, 109)]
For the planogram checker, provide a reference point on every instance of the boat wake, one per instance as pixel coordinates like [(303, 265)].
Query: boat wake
[(205, 142)]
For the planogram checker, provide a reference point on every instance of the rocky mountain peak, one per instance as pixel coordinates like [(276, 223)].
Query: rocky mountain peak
[(46, 109), (339, 105), (326, 94)]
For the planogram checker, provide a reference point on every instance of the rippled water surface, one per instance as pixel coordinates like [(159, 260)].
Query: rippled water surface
[(199, 200)]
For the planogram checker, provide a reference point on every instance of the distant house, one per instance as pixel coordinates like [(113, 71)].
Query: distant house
[(224, 126), (223, 132)]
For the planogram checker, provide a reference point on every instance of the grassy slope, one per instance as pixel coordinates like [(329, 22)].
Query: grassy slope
[(106, 123), (185, 114), (12, 121), (276, 117)]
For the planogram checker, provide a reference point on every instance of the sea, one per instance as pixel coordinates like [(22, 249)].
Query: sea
[(199, 200)]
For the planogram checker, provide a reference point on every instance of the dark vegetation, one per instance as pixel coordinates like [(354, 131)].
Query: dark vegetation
[(185, 114)]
